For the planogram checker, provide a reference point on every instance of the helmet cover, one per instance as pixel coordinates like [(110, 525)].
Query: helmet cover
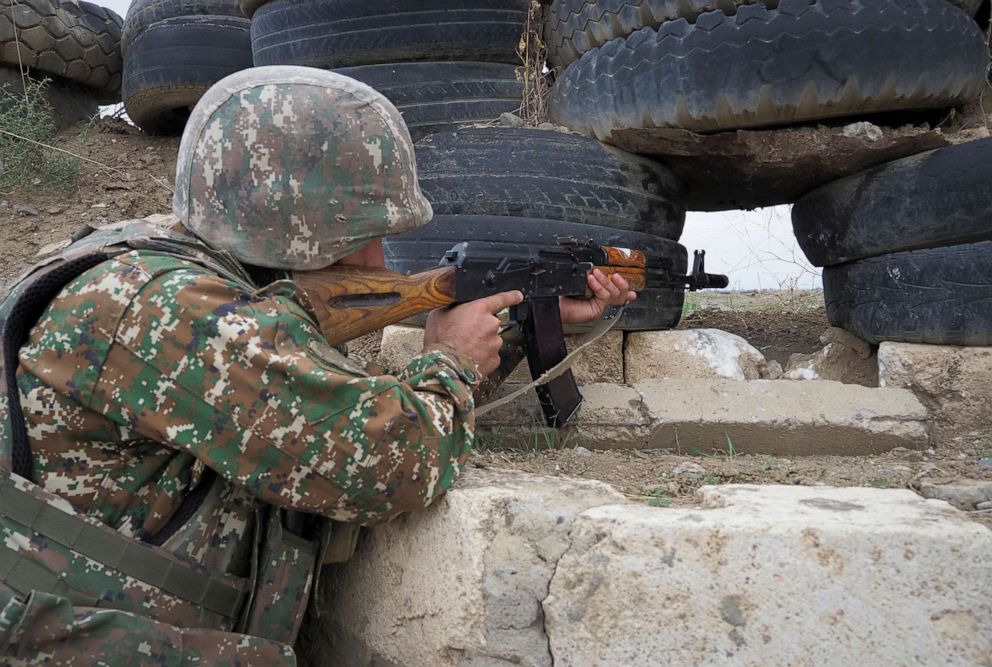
[(296, 168)]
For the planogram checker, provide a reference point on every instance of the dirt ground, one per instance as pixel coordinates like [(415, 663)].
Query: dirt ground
[(128, 174), (133, 179)]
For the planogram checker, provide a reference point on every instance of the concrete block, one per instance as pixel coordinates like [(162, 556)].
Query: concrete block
[(611, 416), (954, 383), (782, 418), (774, 576), (459, 584), (691, 354)]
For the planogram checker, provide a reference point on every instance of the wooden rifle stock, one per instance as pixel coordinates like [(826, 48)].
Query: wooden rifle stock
[(352, 301)]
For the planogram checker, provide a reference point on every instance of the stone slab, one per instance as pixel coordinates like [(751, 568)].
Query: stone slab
[(954, 383), (611, 416), (774, 576), (459, 584), (748, 169), (782, 418)]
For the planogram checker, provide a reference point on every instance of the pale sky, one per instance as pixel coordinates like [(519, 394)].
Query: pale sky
[(756, 248)]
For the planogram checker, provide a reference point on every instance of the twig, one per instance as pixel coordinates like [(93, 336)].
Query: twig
[(17, 46)]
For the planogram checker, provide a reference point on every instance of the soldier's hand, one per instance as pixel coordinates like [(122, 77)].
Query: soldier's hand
[(605, 292), (472, 328)]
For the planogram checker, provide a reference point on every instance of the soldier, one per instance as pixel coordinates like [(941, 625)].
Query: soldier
[(168, 405)]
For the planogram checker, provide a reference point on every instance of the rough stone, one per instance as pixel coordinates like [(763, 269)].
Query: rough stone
[(690, 470), (772, 371), (510, 120), (689, 354), (782, 418), (459, 584), (601, 362), (24, 209), (847, 339), (834, 362), (954, 383), (966, 494), (774, 576)]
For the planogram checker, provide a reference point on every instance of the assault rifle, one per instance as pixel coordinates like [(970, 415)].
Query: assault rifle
[(353, 301)]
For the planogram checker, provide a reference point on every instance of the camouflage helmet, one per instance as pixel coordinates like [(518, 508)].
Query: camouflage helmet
[(295, 168)]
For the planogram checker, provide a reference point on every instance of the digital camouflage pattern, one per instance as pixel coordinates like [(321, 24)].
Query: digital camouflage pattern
[(148, 368), (165, 364), (295, 168), (127, 403)]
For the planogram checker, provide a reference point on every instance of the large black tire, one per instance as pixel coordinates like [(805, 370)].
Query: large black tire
[(345, 33), (550, 175), (77, 42), (767, 67), (938, 198), (442, 96), (573, 27), (940, 296), (422, 250), (172, 63), (143, 13)]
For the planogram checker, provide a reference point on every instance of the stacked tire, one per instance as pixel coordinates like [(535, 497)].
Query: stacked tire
[(174, 50), (77, 47), (907, 247), (531, 186), (726, 65), (443, 64)]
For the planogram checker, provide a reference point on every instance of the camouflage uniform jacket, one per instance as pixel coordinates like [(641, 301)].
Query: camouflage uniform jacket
[(164, 365)]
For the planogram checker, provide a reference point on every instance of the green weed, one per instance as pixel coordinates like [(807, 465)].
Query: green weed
[(27, 124), (657, 498)]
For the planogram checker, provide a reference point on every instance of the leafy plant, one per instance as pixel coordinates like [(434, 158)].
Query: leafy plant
[(27, 130), (657, 498)]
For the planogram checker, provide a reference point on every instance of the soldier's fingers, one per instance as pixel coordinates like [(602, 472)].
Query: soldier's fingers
[(620, 282), (599, 284), (498, 302)]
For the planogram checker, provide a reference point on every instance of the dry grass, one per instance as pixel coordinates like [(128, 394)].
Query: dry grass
[(534, 74)]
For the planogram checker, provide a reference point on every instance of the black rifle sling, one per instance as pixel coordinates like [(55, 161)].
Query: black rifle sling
[(545, 342)]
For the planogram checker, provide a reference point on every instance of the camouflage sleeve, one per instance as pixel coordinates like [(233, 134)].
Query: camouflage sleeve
[(247, 384)]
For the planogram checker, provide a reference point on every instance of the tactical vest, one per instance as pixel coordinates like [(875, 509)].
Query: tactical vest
[(261, 590)]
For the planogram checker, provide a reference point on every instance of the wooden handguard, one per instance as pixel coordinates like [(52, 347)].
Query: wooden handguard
[(352, 301), (634, 276)]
